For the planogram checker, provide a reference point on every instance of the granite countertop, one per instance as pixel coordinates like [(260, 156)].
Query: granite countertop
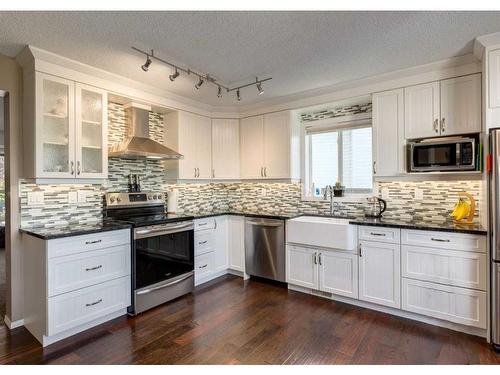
[(279, 216), (50, 233)]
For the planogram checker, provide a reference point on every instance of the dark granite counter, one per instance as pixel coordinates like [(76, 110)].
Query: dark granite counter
[(50, 233), (280, 216)]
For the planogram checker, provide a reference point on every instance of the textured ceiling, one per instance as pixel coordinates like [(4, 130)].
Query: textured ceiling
[(300, 50)]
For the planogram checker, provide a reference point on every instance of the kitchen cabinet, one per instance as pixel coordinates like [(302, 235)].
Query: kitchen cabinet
[(225, 149), (379, 273), (447, 107), (75, 283), (195, 143), (221, 258), (270, 146), (236, 242), (492, 92), (388, 140), (329, 271), (65, 129)]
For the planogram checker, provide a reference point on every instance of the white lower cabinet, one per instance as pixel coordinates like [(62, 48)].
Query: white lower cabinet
[(380, 273), (458, 305), (329, 271), (236, 242)]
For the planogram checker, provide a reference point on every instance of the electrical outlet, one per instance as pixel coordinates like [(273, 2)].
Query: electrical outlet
[(82, 196), (35, 198), (385, 193), (263, 192), (419, 194), (72, 197)]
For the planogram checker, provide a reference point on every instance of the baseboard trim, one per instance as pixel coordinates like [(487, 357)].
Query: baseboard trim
[(13, 324), (475, 331)]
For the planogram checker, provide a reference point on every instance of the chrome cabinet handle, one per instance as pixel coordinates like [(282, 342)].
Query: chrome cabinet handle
[(442, 125), (78, 167), (203, 266), (93, 303), (261, 171), (202, 242), (315, 260), (92, 242), (377, 234), (439, 240), (265, 171), (72, 164), (202, 224), (319, 259), (435, 125), (360, 253), (215, 223), (213, 173), (93, 268), (374, 167)]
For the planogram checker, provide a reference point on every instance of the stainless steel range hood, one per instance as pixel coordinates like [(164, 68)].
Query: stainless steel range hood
[(137, 144)]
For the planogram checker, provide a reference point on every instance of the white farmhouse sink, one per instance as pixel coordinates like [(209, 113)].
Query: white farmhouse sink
[(322, 231)]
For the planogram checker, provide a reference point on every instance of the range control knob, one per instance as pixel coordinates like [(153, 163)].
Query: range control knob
[(155, 196), (150, 197), (111, 199), (118, 199)]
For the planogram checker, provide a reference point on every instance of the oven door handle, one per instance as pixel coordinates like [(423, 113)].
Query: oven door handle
[(141, 233), (147, 291)]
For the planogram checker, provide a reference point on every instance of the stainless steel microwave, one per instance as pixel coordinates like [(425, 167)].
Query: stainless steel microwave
[(452, 154)]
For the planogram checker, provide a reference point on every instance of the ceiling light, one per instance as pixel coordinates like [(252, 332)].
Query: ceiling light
[(198, 85), (146, 65), (259, 87), (238, 95), (174, 76), (219, 92)]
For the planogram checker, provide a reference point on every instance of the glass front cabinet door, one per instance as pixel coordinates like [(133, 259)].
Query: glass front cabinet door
[(55, 131), (91, 132), (71, 129)]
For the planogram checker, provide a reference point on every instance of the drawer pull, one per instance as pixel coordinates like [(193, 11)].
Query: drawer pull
[(202, 224), (92, 242), (93, 303), (202, 242), (377, 234), (439, 240), (203, 266), (93, 268)]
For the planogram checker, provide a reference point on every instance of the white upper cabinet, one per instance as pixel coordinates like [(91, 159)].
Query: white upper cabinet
[(448, 107), (270, 147), (91, 132), (388, 142), (493, 89), (422, 110), (461, 105), (252, 147), (195, 144), (66, 126), (225, 149)]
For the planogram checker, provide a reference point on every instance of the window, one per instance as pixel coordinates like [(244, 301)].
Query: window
[(343, 155)]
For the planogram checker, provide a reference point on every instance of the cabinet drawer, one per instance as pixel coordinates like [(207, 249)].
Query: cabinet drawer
[(457, 305), (203, 224), (88, 242), (204, 242), (72, 309), (203, 265), (380, 234), (77, 271), (444, 240), (459, 268)]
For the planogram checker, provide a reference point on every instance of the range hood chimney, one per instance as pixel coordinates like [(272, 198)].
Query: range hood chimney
[(137, 144)]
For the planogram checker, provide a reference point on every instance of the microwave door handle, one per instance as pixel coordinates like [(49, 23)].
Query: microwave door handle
[(458, 154)]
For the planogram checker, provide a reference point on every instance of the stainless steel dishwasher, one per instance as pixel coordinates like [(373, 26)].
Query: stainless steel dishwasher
[(265, 248)]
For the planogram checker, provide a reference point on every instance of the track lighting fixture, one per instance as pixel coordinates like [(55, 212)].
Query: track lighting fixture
[(200, 82), (172, 77), (146, 65), (150, 56)]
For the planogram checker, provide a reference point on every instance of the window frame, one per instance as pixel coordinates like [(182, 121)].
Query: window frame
[(331, 125)]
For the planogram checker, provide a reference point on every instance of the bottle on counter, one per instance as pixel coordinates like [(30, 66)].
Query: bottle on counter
[(130, 183)]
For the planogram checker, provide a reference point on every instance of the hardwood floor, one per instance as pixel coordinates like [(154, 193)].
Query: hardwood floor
[(230, 321)]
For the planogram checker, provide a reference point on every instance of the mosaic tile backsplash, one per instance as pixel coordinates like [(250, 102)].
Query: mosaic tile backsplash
[(336, 112), (439, 197)]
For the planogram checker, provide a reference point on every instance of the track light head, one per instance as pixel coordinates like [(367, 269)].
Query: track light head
[(200, 82), (238, 96), (146, 65), (172, 77), (259, 88), (219, 92)]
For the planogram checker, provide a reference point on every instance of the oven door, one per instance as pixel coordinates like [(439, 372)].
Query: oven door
[(435, 157), (163, 254)]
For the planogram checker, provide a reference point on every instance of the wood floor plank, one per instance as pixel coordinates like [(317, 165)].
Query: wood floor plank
[(231, 321)]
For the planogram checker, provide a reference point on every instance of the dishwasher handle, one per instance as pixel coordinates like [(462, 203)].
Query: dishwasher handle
[(264, 223)]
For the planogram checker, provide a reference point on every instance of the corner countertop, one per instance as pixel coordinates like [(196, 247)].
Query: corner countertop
[(279, 216), (77, 229)]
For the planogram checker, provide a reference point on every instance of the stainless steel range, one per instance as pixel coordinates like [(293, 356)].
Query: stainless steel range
[(163, 248)]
